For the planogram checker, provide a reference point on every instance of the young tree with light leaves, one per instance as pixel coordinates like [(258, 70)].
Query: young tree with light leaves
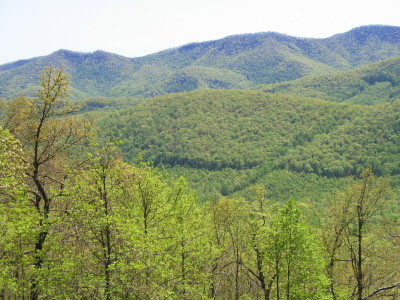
[(17, 227), (296, 255), (367, 200), (357, 241), (50, 135)]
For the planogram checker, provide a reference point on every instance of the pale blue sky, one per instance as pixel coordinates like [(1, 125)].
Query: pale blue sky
[(30, 28)]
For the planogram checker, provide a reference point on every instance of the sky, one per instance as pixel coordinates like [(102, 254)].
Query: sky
[(31, 28)]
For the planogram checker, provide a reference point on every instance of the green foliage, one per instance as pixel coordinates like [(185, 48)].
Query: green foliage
[(280, 184), (296, 255), (370, 139), (352, 229), (129, 233), (102, 228), (242, 130), (18, 224), (239, 61), (373, 84), (12, 165), (225, 141), (272, 246), (217, 129)]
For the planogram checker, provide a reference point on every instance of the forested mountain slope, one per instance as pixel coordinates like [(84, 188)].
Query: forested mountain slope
[(368, 85), (243, 129), (235, 62), (92, 74)]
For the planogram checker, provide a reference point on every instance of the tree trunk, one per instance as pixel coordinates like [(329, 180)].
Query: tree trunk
[(261, 276), (359, 272), (44, 214), (237, 273), (107, 247), (107, 262)]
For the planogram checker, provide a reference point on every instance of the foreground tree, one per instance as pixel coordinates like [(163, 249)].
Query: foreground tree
[(354, 238), (334, 223), (16, 225), (165, 237), (259, 225), (296, 255), (12, 167), (49, 136), (133, 234), (230, 238), (95, 204), (367, 198), (190, 251)]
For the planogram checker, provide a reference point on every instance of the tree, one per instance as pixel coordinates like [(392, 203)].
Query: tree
[(96, 203), (142, 234), (16, 226), (165, 238), (259, 225), (231, 239), (354, 237), (49, 135), (335, 221), (149, 209), (12, 166), (367, 199), (296, 255), (190, 250)]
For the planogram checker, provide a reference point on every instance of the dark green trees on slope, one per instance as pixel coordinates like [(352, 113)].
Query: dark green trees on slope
[(243, 129), (369, 85)]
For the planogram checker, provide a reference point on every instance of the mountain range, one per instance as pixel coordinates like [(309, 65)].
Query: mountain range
[(235, 62), (247, 109)]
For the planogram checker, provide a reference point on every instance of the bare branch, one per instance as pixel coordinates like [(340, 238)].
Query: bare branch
[(382, 289)]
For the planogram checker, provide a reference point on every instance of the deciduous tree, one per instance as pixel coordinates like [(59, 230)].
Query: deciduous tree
[(49, 134)]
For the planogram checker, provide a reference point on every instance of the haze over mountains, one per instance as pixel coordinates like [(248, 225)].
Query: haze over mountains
[(235, 62)]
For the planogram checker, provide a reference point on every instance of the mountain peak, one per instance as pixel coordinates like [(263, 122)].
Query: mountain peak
[(386, 33), (236, 61)]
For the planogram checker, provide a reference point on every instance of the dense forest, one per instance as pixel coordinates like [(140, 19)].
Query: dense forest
[(369, 85), (212, 189), (237, 138), (242, 129)]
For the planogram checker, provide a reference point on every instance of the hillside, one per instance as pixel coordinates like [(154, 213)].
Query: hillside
[(235, 62), (372, 84), (92, 74), (226, 141), (242, 129)]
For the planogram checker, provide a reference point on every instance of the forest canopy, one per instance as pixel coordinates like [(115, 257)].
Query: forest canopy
[(283, 197)]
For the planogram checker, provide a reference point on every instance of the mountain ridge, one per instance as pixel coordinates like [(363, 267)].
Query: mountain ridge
[(368, 85), (237, 61)]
